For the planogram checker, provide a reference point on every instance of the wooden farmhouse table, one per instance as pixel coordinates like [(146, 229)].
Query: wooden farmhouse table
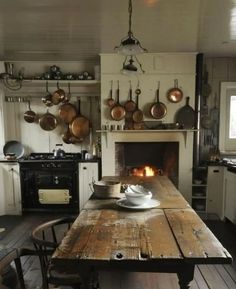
[(170, 238)]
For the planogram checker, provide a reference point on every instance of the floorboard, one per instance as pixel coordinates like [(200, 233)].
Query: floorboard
[(18, 228)]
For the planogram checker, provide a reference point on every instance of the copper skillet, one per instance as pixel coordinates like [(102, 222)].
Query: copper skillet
[(137, 114), (111, 101), (158, 109), (80, 126), (175, 94), (130, 105), (118, 111)]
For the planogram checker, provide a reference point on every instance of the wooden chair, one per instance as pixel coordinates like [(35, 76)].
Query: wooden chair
[(46, 238), (7, 256)]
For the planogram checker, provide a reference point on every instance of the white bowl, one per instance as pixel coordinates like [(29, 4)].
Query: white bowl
[(138, 189), (137, 199)]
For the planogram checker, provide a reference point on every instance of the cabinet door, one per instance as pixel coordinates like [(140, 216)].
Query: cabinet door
[(215, 190), (230, 196), (88, 172), (11, 188)]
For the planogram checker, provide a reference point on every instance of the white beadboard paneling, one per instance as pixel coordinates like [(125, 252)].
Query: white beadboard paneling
[(220, 68)]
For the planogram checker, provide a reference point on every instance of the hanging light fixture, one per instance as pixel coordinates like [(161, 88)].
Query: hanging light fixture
[(130, 45), (128, 65)]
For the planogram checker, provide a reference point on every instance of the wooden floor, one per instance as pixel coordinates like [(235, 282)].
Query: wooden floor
[(16, 234)]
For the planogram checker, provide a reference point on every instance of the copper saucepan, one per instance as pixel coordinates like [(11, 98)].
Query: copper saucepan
[(158, 109), (29, 115), (47, 100), (118, 110), (48, 121), (58, 95), (80, 125), (111, 101), (130, 105), (137, 114), (67, 112), (175, 94)]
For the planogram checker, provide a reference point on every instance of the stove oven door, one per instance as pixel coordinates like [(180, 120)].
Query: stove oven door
[(50, 196)]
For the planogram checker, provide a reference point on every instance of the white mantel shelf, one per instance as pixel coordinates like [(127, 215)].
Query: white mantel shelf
[(183, 131)]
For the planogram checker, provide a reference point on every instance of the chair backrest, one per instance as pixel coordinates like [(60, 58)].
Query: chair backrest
[(46, 238), (7, 256)]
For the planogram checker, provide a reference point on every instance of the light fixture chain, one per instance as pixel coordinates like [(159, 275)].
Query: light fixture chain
[(130, 16)]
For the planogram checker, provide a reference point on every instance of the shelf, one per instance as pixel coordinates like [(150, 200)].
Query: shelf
[(183, 131), (37, 88), (61, 82), (147, 130)]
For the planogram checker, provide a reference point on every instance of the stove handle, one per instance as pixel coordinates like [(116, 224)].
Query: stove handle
[(56, 180)]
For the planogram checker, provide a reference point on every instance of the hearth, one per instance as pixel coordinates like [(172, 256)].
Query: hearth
[(147, 159)]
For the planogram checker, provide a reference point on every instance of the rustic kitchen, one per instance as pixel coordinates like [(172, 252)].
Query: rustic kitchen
[(83, 134)]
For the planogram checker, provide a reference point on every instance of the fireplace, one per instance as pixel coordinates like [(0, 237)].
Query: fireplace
[(147, 159), (183, 178)]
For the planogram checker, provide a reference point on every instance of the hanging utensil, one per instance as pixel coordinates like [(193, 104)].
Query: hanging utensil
[(111, 101), (137, 114), (80, 125), (206, 121), (68, 95), (67, 112), (47, 100), (29, 115), (158, 109), (48, 121), (58, 95), (175, 94), (130, 105), (118, 111), (185, 116)]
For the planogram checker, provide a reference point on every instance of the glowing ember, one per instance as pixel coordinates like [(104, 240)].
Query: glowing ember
[(145, 171)]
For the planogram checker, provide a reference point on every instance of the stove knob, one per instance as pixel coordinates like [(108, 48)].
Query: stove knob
[(48, 165), (59, 165), (43, 165)]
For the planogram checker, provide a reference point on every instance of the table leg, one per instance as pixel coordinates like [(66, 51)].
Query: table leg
[(185, 276), (89, 278)]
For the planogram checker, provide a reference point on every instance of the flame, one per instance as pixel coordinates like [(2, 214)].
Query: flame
[(146, 171)]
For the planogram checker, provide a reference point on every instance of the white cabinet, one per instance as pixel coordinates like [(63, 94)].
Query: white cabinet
[(215, 193), (230, 196), (88, 172), (10, 193)]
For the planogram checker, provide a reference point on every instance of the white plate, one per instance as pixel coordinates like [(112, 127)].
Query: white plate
[(148, 205)]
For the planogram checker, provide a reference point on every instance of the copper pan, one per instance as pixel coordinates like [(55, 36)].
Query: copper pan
[(80, 126), (67, 112), (130, 105), (111, 101), (29, 115), (158, 109), (137, 114), (118, 110), (48, 121), (175, 94)]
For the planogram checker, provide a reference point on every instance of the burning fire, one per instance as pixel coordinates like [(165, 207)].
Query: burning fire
[(145, 171)]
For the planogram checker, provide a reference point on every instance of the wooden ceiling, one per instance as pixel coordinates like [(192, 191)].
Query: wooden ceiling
[(81, 29)]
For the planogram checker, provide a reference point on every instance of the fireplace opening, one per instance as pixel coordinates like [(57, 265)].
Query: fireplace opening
[(147, 159)]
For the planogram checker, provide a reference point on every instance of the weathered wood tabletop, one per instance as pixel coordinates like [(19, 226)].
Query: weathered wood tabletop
[(169, 238)]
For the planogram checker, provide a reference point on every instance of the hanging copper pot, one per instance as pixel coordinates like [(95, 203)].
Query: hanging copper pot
[(175, 94)]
